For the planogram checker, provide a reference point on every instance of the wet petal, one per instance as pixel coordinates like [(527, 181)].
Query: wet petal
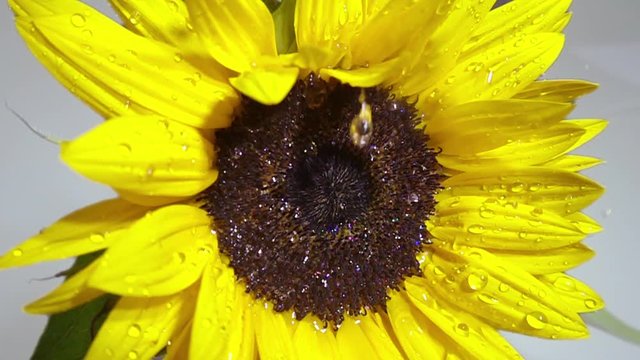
[(574, 292), (476, 338), (390, 39), (556, 90), (313, 342), (519, 17), (365, 76), (449, 29), (118, 72), (170, 246), (147, 155), (531, 148), (498, 72), (236, 33), (482, 120), (138, 328), (219, 315), (551, 189), (420, 339), (494, 224), (591, 127), (179, 348), (267, 86), (84, 231), (379, 338), (504, 295), (273, 334), (548, 261), (327, 25), (573, 162), (73, 292), (352, 341)]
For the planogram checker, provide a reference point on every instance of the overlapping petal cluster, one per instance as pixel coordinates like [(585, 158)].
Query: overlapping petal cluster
[(508, 222)]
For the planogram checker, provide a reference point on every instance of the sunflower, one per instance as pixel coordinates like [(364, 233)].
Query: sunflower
[(349, 179)]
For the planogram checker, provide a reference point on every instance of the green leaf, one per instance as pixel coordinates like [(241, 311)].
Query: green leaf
[(68, 335), (283, 19)]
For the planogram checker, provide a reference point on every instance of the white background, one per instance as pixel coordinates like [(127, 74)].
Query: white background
[(603, 45)]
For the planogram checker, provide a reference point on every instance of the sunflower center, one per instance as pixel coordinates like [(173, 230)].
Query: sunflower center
[(314, 217), (330, 188)]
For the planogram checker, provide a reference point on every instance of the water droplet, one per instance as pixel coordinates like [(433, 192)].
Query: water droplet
[(565, 283), (17, 252), (450, 80), (476, 229), (437, 270), (504, 287), (516, 187), (536, 320), (134, 331), (96, 238), (180, 257), (477, 280), (486, 213), (488, 299), (134, 21), (132, 355), (78, 20), (361, 128), (590, 303), (462, 329)]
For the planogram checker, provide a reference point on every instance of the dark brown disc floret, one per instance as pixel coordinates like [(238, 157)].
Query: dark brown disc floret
[(311, 220)]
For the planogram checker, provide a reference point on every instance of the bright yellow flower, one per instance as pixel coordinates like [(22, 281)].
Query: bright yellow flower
[(235, 154)]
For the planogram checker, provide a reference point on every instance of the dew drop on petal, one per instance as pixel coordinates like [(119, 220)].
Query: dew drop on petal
[(590, 303), (132, 355), (503, 287), (536, 320), (78, 20), (96, 238), (476, 229), (134, 331), (17, 252), (462, 329), (477, 280), (565, 283)]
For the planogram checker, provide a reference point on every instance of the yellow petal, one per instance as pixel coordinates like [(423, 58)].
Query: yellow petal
[(531, 148), (118, 72), (381, 39), (178, 349), (486, 119), (556, 90), (267, 86), (583, 222), (573, 162), (170, 246), (517, 18), (591, 127), (548, 261), (84, 231), (504, 295), (273, 334), (352, 342), (138, 328), (236, 33), (574, 292), (219, 315), (147, 155), (448, 31), (365, 76), (161, 20), (474, 337), (380, 340), (419, 338), (313, 342), (71, 293), (498, 72), (327, 25), (560, 191), (495, 224)]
